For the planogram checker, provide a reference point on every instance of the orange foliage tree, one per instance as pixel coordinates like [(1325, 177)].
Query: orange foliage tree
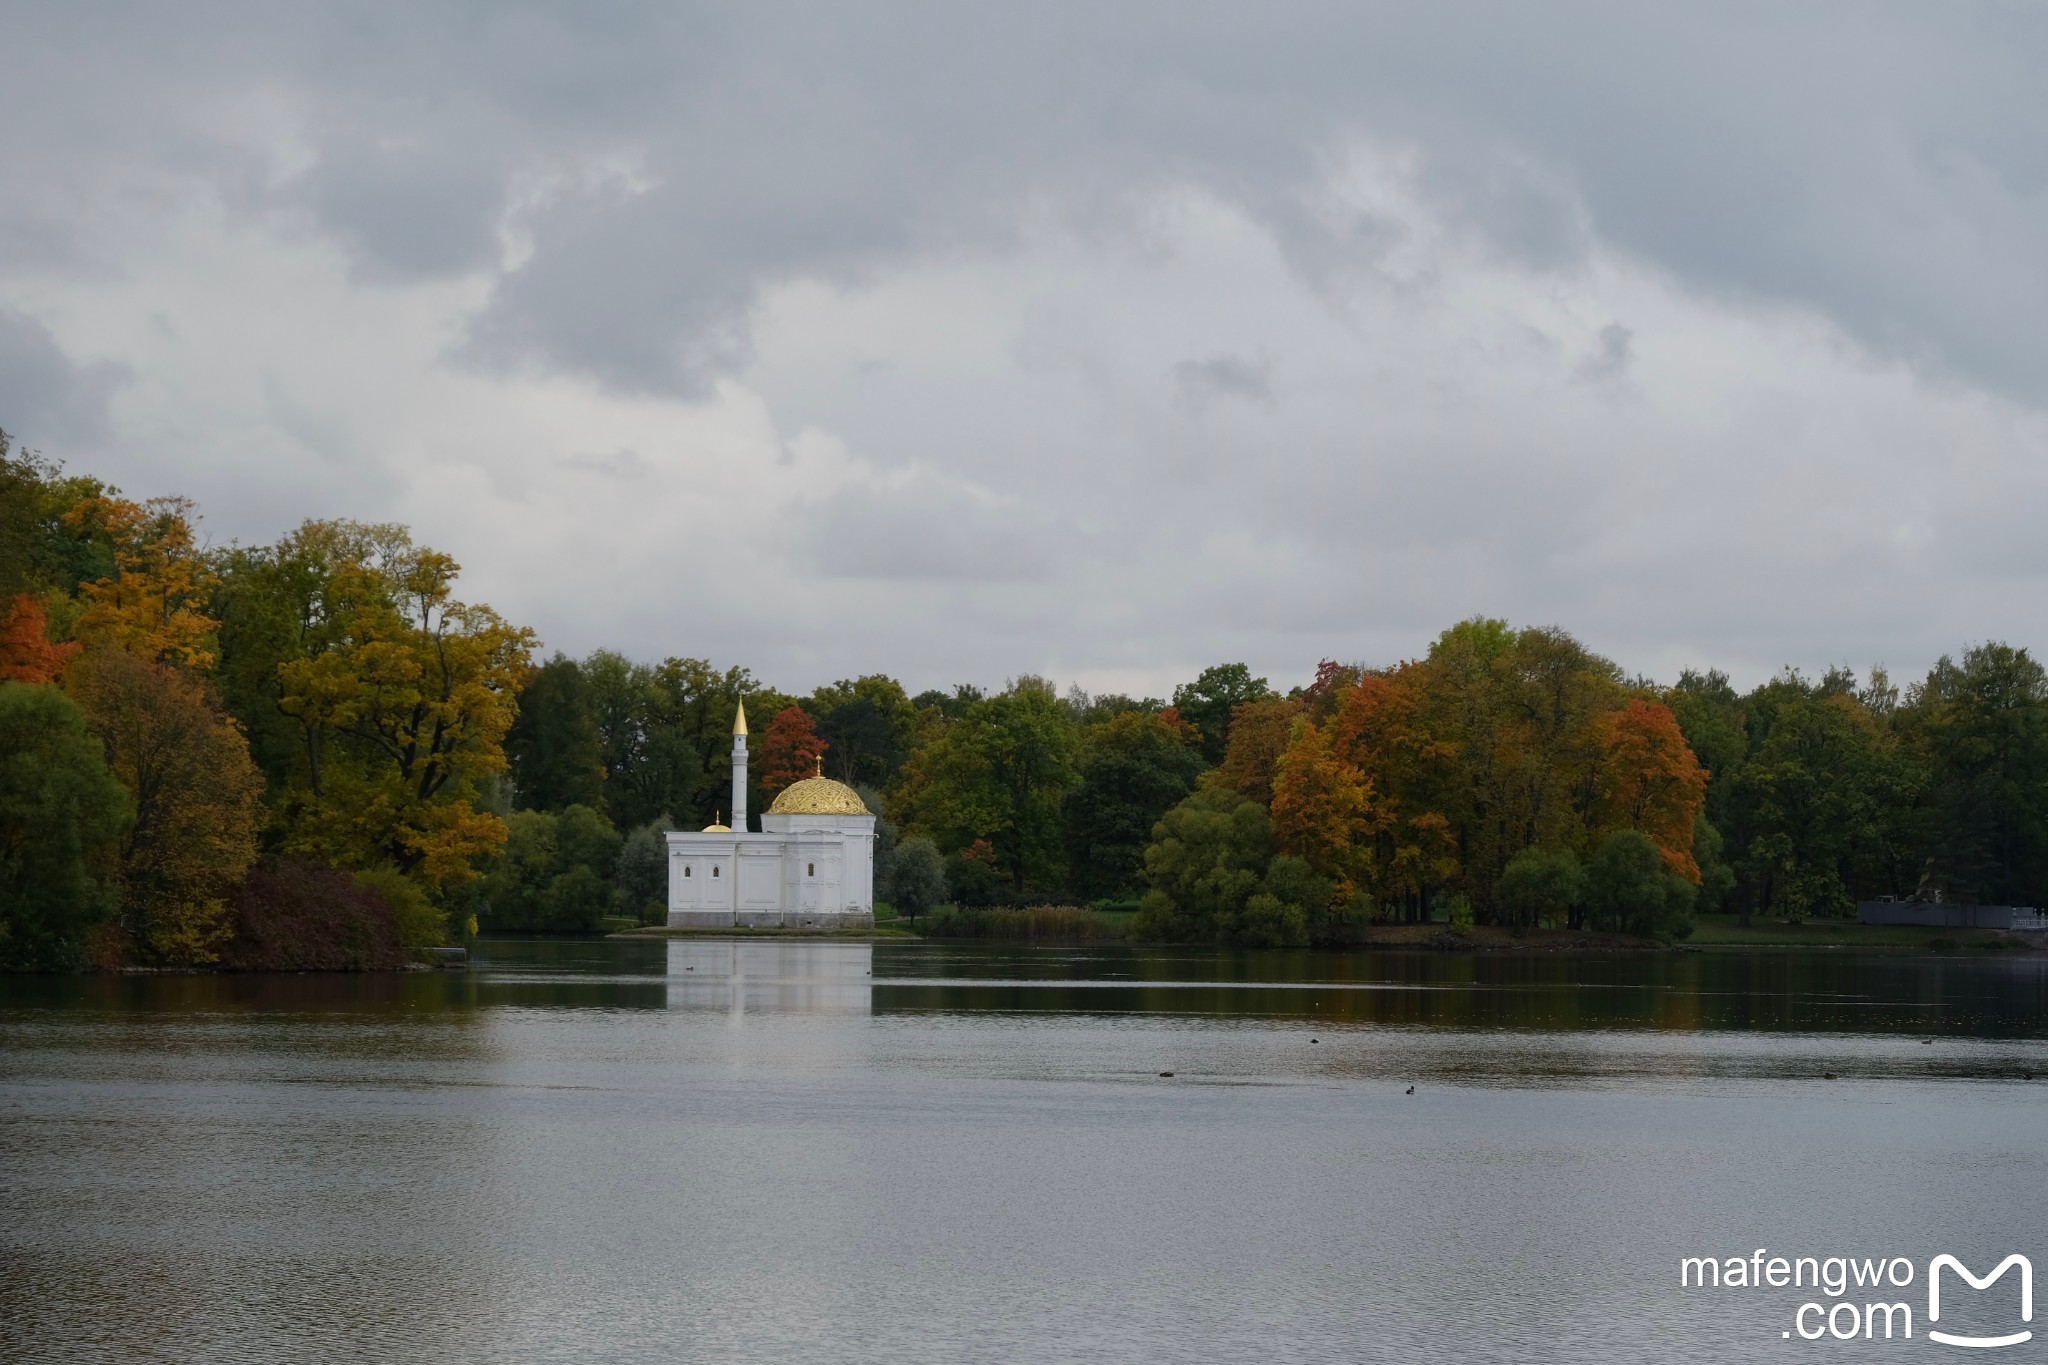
[(1383, 726), (1259, 734), (1325, 811), (790, 749), (1650, 780), (26, 654)]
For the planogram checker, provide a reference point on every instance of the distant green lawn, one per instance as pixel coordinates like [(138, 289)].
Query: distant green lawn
[(1726, 931)]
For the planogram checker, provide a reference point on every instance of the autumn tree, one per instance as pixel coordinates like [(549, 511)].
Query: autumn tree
[(154, 604), (1385, 726), (790, 749), (403, 699), (26, 654), (1259, 733), (1650, 780), (1325, 810), (196, 800)]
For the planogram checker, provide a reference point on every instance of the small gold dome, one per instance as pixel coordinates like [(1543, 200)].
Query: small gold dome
[(818, 796), (715, 828)]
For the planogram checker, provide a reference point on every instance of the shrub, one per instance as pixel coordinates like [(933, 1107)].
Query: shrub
[(1541, 885), (421, 923), (303, 917)]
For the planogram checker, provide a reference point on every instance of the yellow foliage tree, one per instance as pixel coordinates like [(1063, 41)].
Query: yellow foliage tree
[(404, 705), (1325, 811), (198, 799), (154, 603)]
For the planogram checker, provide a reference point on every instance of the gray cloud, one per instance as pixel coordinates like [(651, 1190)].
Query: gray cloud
[(44, 397), (1881, 163), (1610, 359), (605, 209), (1199, 382), (923, 530)]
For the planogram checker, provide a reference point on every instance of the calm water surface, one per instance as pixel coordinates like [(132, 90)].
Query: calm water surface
[(823, 1151)]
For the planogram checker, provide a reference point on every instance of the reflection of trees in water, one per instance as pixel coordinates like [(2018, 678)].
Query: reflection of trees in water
[(1780, 991)]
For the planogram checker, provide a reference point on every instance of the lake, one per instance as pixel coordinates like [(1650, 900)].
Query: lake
[(777, 1150)]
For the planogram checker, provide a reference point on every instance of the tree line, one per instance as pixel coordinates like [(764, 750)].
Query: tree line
[(314, 751)]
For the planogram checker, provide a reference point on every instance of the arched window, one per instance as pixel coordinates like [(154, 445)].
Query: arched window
[(810, 869), (714, 872), (686, 871)]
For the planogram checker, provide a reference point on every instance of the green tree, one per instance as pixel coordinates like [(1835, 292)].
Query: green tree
[(1001, 772), (1630, 889), (1818, 805), (38, 553), (1133, 768), (61, 820), (920, 877), (555, 873), (1979, 725), (553, 747), (666, 734), (1212, 699), (1208, 857), (868, 725), (641, 872), (1715, 722)]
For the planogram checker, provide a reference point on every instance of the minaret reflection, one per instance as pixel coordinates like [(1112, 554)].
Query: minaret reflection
[(743, 976)]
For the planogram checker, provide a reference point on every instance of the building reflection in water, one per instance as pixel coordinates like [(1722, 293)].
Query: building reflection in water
[(751, 976)]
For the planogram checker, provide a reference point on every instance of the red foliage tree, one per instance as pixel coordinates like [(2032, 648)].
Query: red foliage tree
[(26, 654), (790, 749)]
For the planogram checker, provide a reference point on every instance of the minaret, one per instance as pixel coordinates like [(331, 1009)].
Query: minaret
[(739, 769)]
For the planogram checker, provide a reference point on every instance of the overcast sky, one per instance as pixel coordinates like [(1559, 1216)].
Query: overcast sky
[(1099, 341)]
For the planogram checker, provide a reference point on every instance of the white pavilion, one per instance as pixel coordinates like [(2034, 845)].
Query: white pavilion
[(811, 866)]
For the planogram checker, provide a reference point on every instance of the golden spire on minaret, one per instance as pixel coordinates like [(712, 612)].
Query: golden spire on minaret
[(739, 719), (821, 765)]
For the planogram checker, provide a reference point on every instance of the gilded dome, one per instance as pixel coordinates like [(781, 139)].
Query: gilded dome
[(818, 796), (715, 828)]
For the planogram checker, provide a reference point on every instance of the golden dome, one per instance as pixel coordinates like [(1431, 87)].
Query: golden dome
[(818, 796), (715, 828)]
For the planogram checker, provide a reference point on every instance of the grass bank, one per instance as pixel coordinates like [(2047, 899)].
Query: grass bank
[(1028, 924)]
